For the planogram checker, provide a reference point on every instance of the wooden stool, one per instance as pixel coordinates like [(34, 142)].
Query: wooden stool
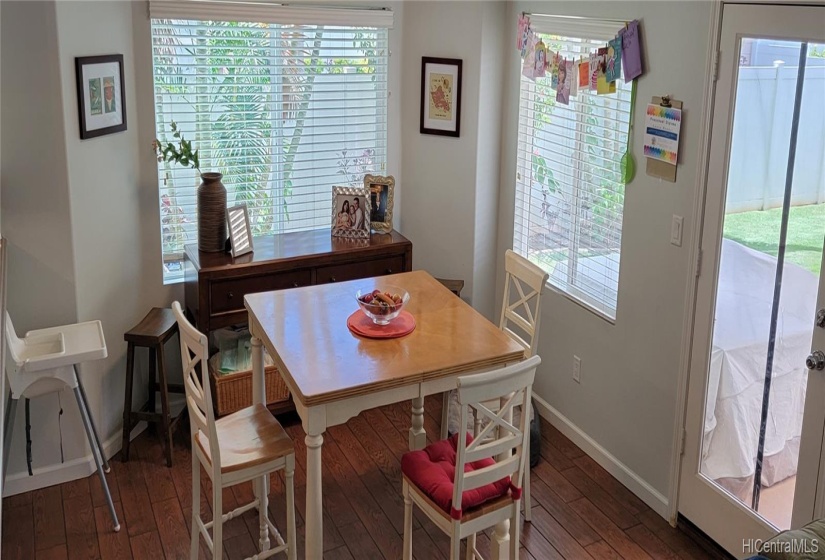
[(152, 332), (455, 286)]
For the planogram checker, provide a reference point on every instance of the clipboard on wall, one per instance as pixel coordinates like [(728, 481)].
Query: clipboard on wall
[(657, 168)]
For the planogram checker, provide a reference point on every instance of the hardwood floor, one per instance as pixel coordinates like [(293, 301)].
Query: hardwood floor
[(579, 510)]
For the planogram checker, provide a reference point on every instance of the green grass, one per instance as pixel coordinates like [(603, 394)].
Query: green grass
[(759, 230)]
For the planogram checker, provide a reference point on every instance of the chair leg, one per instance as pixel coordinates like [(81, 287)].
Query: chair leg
[(455, 542), (153, 385), (106, 467), (166, 436), (445, 413), (86, 417), (261, 486), (196, 506), (408, 522), (11, 410), (292, 534), (471, 546), (217, 519), (514, 532), (127, 403), (526, 482)]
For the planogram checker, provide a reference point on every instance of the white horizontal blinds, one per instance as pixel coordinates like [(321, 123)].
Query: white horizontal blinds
[(284, 111), (569, 194)]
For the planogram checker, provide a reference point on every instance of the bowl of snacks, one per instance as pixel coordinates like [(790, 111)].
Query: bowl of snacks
[(382, 306)]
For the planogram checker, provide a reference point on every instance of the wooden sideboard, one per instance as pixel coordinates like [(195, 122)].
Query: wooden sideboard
[(216, 283)]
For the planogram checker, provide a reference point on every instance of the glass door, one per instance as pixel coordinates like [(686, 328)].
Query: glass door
[(757, 297)]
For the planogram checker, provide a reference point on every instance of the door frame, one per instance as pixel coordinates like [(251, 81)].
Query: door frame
[(695, 254), (694, 258)]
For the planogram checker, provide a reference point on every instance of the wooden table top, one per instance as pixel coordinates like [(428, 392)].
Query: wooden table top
[(325, 362)]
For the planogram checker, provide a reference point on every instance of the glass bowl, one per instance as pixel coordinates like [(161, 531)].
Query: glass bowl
[(379, 310)]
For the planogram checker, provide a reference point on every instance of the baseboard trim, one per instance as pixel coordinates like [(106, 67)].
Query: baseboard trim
[(75, 469), (611, 464)]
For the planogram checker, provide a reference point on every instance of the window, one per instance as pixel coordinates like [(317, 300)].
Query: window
[(569, 194), (285, 102)]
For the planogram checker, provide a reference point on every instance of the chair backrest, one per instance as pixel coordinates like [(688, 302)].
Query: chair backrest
[(521, 309), (511, 386), (16, 346), (194, 351)]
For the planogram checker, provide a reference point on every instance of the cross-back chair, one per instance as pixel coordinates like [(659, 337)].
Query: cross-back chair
[(520, 319), (485, 488), (246, 445)]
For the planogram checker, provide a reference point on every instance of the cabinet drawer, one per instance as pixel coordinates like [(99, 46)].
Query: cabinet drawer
[(227, 295), (363, 269)]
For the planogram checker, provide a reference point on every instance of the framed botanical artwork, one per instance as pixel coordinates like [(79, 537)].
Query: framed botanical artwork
[(351, 212), (441, 96), (101, 99), (240, 234), (382, 193)]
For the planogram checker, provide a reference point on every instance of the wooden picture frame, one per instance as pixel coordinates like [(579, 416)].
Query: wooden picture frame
[(351, 212), (240, 234), (441, 96), (101, 95), (382, 195)]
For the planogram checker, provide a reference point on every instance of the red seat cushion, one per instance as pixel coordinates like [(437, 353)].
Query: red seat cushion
[(432, 470)]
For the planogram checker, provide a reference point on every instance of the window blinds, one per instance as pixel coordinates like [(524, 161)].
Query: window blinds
[(569, 194), (283, 110)]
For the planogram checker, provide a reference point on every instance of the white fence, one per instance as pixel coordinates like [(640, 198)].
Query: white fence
[(761, 138)]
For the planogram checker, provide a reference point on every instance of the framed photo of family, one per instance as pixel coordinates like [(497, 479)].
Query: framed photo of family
[(382, 193), (101, 100), (441, 96), (351, 212)]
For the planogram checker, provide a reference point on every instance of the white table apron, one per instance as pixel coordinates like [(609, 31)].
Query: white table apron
[(316, 419)]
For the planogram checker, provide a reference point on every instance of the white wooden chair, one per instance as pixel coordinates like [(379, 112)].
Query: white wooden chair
[(494, 470), (520, 318), (246, 445)]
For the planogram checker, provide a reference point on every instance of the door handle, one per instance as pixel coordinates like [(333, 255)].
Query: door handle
[(816, 361), (820, 318)]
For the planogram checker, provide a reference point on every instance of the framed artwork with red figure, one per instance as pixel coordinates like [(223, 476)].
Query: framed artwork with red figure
[(441, 96)]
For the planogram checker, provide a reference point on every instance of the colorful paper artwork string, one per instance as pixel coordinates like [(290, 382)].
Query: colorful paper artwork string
[(574, 78), (540, 62), (529, 68), (523, 28), (614, 60), (564, 76), (554, 71), (631, 51), (584, 74)]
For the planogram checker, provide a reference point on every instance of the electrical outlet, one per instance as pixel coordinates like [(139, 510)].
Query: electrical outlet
[(676, 231), (577, 369)]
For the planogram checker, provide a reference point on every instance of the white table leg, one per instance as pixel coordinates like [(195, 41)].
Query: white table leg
[(418, 437), (258, 381), (314, 516)]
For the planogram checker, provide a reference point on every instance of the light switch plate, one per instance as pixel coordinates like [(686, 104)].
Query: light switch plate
[(676, 231)]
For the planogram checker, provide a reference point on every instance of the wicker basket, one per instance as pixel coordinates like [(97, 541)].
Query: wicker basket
[(233, 391)]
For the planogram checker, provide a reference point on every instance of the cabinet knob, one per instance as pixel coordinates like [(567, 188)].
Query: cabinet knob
[(230, 295), (332, 279), (388, 271), (295, 284)]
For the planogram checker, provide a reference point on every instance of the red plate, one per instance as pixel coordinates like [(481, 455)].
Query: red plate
[(362, 325)]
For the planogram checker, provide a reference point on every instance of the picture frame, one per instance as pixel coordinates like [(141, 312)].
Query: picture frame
[(382, 195), (441, 96), (101, 95), (240, 234), (347, 221)]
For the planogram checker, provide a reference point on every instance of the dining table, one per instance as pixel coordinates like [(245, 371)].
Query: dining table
[(334, 374)]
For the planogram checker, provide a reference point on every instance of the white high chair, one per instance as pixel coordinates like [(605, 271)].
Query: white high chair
[(45, 361)]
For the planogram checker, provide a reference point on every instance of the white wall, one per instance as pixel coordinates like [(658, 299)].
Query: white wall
[(449, 182), (626, 400), (36, 217)]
